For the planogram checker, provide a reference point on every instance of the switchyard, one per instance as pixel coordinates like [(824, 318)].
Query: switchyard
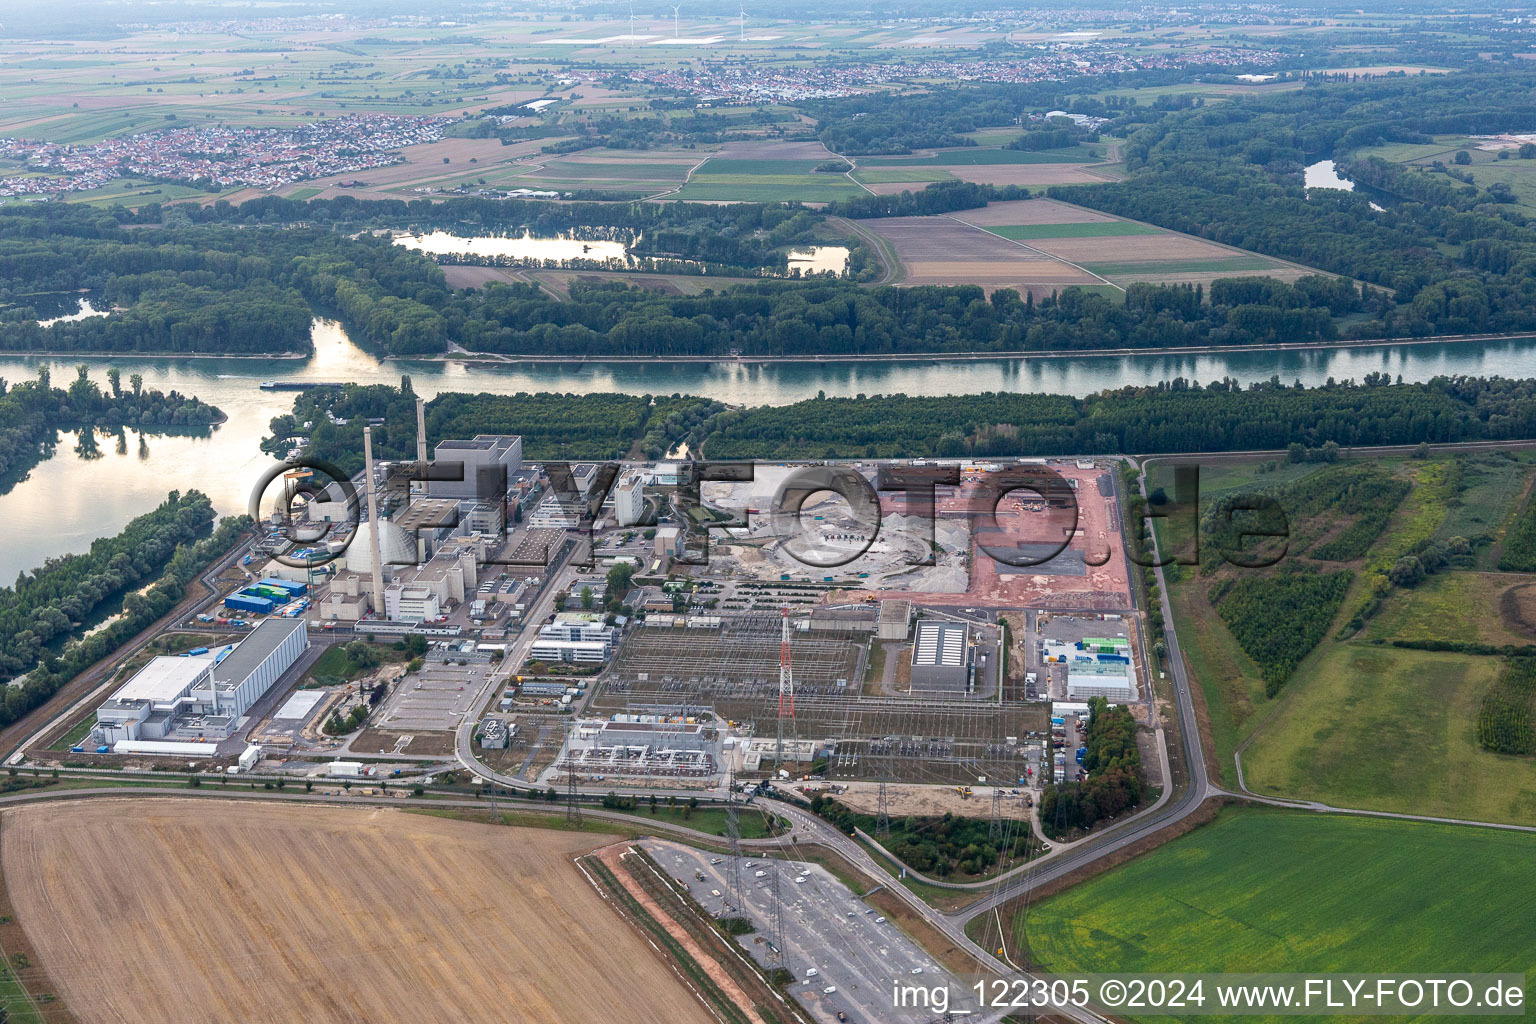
[(940, 737)]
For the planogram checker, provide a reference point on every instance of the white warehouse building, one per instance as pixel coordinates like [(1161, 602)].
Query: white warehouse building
[(200, 696)]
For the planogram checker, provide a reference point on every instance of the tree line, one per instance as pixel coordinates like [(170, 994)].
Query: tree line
[(1116, 781)]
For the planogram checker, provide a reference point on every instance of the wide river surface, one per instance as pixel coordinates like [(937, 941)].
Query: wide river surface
[(67, 501)]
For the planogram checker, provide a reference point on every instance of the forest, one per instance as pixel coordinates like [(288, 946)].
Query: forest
[(1504, 721), (1456, 258), (1277, 618), (942, 847), (1115, 783), (1175, 416), (31, 412), (553, 426)]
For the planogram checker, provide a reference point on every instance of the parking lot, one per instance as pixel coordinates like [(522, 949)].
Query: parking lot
[(856, 955), (434, 699)]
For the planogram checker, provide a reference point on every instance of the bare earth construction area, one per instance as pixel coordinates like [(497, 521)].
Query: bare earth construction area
[(153, 911)]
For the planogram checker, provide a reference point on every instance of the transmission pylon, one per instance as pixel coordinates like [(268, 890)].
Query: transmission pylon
[(883, 807), (780, 956), (995, 824), (572, 808), (733, 837), (786, 690)]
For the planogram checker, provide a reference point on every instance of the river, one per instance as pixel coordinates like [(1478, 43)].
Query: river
[(67, 501)]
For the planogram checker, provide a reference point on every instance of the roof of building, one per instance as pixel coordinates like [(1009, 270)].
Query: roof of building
[(255, 649), (895, 610), (187, 748), (940, 643), (163, 679)]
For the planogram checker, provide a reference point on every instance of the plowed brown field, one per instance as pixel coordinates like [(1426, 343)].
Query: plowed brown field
[(201, 911)]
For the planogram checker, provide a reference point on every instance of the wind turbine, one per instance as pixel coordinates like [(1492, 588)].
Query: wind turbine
[(675, 34), (743, 23), (631, 22)]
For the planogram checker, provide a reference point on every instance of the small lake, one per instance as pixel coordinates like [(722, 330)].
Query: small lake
[(87, 308), (819, 259), (1325, 174), (521, 247)]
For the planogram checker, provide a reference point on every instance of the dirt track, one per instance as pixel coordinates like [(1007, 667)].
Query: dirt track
[(169, 910)]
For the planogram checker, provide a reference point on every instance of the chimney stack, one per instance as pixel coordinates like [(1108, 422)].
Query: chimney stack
[(376, 526)]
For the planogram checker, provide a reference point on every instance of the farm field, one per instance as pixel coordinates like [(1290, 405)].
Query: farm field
[(1270, 890), (768, 172), (1115, 250), (946, 250), (981, 157), (1390, 729), (320, 914), (1486, 168)]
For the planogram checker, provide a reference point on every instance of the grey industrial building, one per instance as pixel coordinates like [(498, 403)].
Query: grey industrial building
[(484, 457), (941, 656)]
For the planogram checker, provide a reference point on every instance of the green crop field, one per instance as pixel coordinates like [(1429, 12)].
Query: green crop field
[(1236, 263), (786, 188), (1389, 729), (974, 157), (1092, 229), (1267, 890), (568, 170), (884, 175)]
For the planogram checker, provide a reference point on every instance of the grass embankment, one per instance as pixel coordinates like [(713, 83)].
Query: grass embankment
[(1360, 722), (1267, 890)]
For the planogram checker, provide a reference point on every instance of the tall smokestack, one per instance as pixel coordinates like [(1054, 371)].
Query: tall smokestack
[(377, 526), (421, 434)]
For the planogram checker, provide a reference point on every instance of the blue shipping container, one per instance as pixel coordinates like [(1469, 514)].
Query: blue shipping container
[(249, 603), (1082, 752), (288, 586)]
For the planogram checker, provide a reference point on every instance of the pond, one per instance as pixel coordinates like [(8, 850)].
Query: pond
[(1325, 174), (521, 247), (819, 259)]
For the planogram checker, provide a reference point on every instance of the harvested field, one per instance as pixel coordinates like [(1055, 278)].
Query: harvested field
[(776, 151), (1160, 246), (1030, 174), (891, 175), (974, 157), (426, 161), (942, 250), (1032, 211), (321, 915)]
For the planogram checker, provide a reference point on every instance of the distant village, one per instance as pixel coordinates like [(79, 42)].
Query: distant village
[(219, 156), (751, 83)]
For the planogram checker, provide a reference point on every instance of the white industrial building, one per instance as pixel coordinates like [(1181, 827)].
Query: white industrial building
[(629, 499), (588, 652), (202, 696), (1113, 683)]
